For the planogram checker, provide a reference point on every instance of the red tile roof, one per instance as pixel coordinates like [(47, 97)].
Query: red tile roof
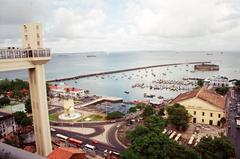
[(204, 94), (67, 153)]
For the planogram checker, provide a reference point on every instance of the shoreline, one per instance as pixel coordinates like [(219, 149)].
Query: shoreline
[(122, 70)]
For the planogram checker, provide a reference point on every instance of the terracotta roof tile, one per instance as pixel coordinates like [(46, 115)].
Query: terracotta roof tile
[(66, 153), (204, 94)]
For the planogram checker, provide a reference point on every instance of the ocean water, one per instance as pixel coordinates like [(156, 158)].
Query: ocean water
[(65, 65)]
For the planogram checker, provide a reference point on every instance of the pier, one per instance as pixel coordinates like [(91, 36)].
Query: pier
[(123, 70), (98, 100)]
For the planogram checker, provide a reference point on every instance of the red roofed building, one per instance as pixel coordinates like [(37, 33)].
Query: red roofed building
[(205, 106), (64, 90), (67, 153)]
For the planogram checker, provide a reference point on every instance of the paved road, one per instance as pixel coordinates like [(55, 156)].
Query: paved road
[(233, 132), (86, 140)]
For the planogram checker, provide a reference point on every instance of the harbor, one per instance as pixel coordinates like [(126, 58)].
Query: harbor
[(125, 70)]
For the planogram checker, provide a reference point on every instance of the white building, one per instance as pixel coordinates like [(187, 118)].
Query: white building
[(32, 36), (218, 81), (65, 90), (7, 123)]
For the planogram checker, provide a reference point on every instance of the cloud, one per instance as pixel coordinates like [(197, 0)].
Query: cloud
[(90, 25)]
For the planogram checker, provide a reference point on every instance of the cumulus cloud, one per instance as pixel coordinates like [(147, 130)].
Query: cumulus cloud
[(80, 25)]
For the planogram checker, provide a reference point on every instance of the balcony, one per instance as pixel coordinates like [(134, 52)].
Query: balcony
[(23, 53), (12, 59)]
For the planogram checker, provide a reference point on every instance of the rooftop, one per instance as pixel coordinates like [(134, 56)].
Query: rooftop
[(67, 153), (203, 94)]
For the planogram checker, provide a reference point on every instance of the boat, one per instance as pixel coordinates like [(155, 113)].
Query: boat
[(126, 92), (160, 97), (164, 74), (148, 95), (91, 56)]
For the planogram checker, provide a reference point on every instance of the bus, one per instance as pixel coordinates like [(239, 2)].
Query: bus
[(62, 137), (74, 142), (90, 147)]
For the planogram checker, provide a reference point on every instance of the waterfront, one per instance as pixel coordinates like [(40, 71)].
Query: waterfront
[(67, 65)]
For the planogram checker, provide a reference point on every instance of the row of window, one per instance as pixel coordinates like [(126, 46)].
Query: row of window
[(210, 122), (203, 114)]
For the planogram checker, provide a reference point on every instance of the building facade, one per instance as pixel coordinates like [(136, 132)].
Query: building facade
[(32, 36), (204, 106), (7, 123)]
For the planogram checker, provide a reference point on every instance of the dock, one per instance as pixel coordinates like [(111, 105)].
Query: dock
[(99, 100), (123, 70)]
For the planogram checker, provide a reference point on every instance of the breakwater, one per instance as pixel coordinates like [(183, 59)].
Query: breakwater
[(124, 70)]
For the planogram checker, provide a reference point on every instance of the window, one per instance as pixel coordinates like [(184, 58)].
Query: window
[(37, 27), (26, 37), (202, 120), (38, 35), (38, 43), (203, 113), (194, 112), (219, 115), (211, 114)]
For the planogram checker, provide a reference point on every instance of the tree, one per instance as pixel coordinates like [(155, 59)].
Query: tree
[(19, 116), (200, 82), (115, 115), (222, 90), (28, 106), (132, 110), (149, 143), (178, 116), (219, 147), (161, 112), (148, 111), (4, 101), (223, 121), (26, 121)]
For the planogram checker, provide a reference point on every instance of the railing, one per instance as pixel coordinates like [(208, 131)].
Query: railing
[(23, 53), (10, 152)]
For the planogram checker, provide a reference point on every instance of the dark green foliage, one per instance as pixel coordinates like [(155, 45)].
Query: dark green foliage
[(149, 143), (222, 90), (115, 115), (141, 106), (148, 111), (132, 110), (178, 116), (200, 82), (26, 121), (237, 83), (219, 148), (21, 119), (161, 112), (4, 101), (28, 106)]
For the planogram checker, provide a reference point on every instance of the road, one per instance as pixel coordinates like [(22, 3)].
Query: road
[(86, 140), (233, 132)]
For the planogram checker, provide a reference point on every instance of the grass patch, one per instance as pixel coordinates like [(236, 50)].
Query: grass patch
[(53, 117), (93, 117)]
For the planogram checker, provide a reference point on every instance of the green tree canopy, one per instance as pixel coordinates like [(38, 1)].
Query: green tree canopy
[(115, 115), (4, 101), (28, 106), (222, 90), (148, 111), (132, 110), (178, 116), (19, 116), (219, 147), (200, 82)]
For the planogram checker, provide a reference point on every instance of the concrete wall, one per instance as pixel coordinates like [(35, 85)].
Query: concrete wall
[(31, 34), (199, 107)]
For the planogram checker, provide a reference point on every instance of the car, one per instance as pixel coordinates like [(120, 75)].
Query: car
[(94, 141), (113, 121), (52, 129), (118, 126)]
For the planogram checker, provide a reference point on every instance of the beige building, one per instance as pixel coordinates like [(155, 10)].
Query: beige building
[(205, 106), (32, 36)]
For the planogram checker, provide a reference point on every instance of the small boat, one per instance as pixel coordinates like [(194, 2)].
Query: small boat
[(91, 56), (160, 97), (126, 92)]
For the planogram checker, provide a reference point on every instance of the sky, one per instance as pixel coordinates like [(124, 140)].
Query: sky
[(125, 25)]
